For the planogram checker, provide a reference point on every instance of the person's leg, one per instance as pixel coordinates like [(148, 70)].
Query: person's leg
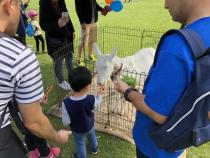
[(83, 43), (41, 145), (69, 61), (29, 142), (83, 35), (10, 145), (44, 149), (80, 145), (58, 69), (37, 43), (93, 141), (58, 64), (92, 39), (42, 41), (139, 154)]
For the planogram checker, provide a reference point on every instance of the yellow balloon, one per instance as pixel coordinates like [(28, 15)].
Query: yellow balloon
[(108, 1)]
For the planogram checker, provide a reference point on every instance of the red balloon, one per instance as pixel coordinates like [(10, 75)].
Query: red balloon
[(108, 1)]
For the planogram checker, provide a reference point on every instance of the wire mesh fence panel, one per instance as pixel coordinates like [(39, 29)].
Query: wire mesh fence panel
[(115, 114), (126, 40)]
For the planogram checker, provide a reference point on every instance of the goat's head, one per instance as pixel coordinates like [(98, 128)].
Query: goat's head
[(104, 65)]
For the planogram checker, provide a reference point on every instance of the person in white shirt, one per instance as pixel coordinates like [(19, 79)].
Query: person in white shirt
[(37, 30)]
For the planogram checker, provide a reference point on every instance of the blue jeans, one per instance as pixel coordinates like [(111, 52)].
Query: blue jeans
[(59, 64), (80, 143)]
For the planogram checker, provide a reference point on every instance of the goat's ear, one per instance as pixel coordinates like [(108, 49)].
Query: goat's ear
[(96, 50), (114, 53)]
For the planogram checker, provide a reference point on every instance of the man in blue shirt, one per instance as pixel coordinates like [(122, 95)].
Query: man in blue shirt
[(169, 77)]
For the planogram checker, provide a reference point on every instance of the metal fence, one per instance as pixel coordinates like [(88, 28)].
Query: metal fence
[(116, 116)]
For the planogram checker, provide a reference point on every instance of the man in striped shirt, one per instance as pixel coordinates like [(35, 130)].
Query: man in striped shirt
[(20, 78)]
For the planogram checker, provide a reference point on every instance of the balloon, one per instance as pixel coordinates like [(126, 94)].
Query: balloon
[(116, 6), (108, 1)]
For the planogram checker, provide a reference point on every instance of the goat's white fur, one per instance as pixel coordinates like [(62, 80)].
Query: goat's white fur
[(140, 62)]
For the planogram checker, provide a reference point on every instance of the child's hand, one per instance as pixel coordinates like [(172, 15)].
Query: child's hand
[(101, 90)]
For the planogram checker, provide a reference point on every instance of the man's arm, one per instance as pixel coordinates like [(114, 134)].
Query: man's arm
[(137, 99), (65, 116), (39, 124)]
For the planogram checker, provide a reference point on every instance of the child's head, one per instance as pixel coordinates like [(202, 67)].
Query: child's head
[(32, 14), (80, 78)]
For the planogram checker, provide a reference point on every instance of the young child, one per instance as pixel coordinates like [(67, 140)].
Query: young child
[(32, 14), (77, 111)]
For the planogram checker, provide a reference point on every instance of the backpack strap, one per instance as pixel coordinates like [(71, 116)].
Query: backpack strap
[(194, 41), (13, 109), (192, 38)]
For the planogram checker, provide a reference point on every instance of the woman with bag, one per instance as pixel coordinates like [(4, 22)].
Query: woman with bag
[(59, 32)]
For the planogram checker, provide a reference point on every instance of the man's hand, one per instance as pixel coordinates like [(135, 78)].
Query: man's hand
[(63, 21), (120, 85), (38, 124), (63, 136), (105, 10)]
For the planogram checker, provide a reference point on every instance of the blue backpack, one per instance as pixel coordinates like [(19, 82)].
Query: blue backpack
[(29, 30), (189, 123)]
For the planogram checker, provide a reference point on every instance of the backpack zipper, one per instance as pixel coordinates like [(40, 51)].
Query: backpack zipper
[(190, 111)]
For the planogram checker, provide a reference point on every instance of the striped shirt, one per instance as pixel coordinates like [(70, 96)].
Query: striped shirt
[(19, 75)]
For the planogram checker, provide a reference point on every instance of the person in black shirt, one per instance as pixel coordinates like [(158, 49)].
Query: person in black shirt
[(59, 33), (87, 12)]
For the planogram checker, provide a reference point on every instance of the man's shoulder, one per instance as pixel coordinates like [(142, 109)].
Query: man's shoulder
[(10, 41), (174, 42), (11, 47)]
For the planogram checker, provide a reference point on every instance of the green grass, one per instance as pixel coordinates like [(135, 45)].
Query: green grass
[(139, 14)]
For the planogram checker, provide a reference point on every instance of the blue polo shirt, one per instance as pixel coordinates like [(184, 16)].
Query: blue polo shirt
[(166, 83)]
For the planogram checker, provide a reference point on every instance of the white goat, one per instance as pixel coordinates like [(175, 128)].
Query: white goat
[(106, 64)]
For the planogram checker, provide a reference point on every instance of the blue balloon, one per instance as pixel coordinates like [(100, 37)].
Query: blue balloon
[(116, 6)]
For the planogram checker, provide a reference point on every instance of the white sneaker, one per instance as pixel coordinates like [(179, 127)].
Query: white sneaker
[(65, 86)]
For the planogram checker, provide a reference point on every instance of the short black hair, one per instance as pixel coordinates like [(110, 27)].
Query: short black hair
[(79, 78)]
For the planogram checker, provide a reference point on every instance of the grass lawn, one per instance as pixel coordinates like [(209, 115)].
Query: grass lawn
[(139, 14)]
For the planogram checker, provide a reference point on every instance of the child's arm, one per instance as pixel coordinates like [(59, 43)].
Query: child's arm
[(98, 98), (65, 116)]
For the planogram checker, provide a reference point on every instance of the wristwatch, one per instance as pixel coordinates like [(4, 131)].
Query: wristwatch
[(127, 93)]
